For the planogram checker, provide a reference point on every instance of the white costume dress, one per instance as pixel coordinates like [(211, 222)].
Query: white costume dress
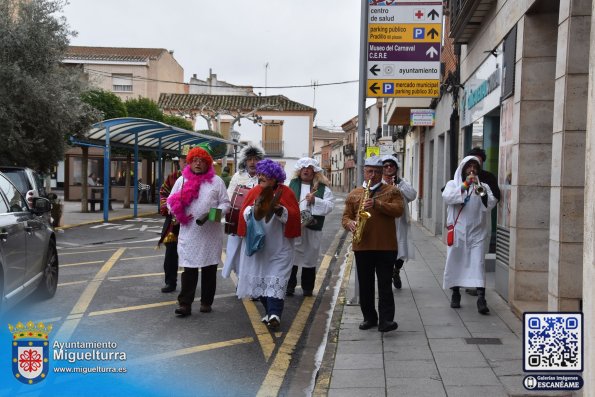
[(307, 247), (234, 242), (403, 223), (267, 271), (465, 259), (200, 246)]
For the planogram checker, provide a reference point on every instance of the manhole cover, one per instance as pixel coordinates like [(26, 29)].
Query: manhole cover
[(483, 341)]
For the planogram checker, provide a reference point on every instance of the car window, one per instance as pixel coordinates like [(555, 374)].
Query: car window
[(3, 206), (39, 183), (16, 202), (19, 179)]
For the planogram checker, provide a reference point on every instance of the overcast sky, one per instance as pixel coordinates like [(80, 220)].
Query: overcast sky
[(302, 41)]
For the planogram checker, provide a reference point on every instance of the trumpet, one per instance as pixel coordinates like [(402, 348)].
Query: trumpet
[(479, 189)]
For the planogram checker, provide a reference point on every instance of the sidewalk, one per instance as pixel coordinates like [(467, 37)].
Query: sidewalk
[(429, 354), (72, 215)]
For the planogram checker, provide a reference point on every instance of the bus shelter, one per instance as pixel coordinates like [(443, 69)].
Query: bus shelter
[(140, 134)]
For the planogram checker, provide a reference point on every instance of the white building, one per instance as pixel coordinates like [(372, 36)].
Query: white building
[(281, 126)]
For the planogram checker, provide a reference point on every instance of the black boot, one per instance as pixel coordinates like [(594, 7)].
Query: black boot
[(455, 300), (397, 274), (482, 305)]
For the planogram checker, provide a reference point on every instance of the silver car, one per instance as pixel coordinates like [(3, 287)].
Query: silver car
[(28, 255)]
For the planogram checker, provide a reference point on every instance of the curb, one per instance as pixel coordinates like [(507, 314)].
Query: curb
[(120, 218)]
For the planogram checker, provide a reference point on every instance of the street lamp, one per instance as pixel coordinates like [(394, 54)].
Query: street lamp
[(235, 136)]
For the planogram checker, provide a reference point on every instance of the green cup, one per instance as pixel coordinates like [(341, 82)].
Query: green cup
[(215, 214)]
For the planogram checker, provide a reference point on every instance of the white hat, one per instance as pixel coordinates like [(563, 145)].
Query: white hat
[(175, 158), (306, 162), (391, 158), (374, 161)]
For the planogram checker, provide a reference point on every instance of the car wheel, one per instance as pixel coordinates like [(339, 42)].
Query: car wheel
[(49, 281)]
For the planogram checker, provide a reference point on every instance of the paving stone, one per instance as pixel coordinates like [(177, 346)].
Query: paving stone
[(403, 353), (359, 347), (460, 360), (414, 387), (507, 367), (354, 333), (446, 331), (369, 392), (468, 377), (400, 338), (359, 361), (474, 391), (499, 352), (411, 369), (360, 378), (451, 345)]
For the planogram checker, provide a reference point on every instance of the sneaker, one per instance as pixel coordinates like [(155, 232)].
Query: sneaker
[(265, 320), (205, 308), (274, 321)]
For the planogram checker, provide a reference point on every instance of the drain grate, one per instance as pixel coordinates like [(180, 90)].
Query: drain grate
[(483, 341)]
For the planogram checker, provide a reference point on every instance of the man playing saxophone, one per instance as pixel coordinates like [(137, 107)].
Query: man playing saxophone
[(376, 250)]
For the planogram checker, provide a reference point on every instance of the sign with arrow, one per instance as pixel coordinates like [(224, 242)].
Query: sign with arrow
[(404, 43)]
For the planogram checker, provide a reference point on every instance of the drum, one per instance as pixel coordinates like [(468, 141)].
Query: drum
[(233, 216)]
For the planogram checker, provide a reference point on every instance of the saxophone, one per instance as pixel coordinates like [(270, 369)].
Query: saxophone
[(361, 216)]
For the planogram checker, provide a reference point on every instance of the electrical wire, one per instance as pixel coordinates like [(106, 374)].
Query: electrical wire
[(141, 78)]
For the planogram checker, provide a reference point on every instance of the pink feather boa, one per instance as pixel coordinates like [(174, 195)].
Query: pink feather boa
[(180, 200)]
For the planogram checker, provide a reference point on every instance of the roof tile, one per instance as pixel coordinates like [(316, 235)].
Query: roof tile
[(113, 53)]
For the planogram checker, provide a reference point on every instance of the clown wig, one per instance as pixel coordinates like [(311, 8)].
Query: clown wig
[(200, 153), (271, 169)]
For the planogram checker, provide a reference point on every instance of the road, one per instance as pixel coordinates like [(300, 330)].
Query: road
[(109, 291)]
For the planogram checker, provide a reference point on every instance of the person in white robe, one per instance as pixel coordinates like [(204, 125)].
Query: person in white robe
[(316, 200), (467, 211), (390, 175), (200, 241), (246, 176), (266, 272)]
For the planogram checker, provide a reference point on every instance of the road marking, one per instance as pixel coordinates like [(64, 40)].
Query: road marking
[(267, 344), (149, 306), (139, 275), (192, 350), (87, 252), (265, 339), (278, 369), (81, 306), (82, 263), (72, 283), (141, 257)]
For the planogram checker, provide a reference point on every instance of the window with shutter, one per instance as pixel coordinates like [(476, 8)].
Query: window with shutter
[(122, 82), (272, 138)]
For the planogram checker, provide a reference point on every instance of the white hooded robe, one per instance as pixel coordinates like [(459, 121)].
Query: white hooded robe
[(465, 259)]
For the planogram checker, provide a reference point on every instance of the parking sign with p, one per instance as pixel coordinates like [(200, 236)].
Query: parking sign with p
[(419, 33)]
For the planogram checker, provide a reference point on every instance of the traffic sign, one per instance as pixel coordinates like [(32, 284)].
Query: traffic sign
[(404, 88), (403, 49)]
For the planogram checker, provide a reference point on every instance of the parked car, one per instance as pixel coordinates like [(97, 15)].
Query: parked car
[(28, 255), (25, 179)]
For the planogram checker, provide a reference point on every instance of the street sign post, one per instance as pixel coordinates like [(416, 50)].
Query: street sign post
[(403, 51)]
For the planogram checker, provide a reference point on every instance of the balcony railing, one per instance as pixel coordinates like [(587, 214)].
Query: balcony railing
[(273, 148)]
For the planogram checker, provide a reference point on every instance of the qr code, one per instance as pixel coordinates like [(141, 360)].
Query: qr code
[(553, 341)]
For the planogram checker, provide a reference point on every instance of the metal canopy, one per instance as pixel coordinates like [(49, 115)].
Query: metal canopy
[(139, 134), (151, 135)]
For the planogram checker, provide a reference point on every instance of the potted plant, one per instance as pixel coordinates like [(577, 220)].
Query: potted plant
[(57, 209)]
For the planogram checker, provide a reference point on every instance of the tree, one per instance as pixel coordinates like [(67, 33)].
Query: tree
[(178, 121), (144, 108), (109, 104), (39, 96)]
